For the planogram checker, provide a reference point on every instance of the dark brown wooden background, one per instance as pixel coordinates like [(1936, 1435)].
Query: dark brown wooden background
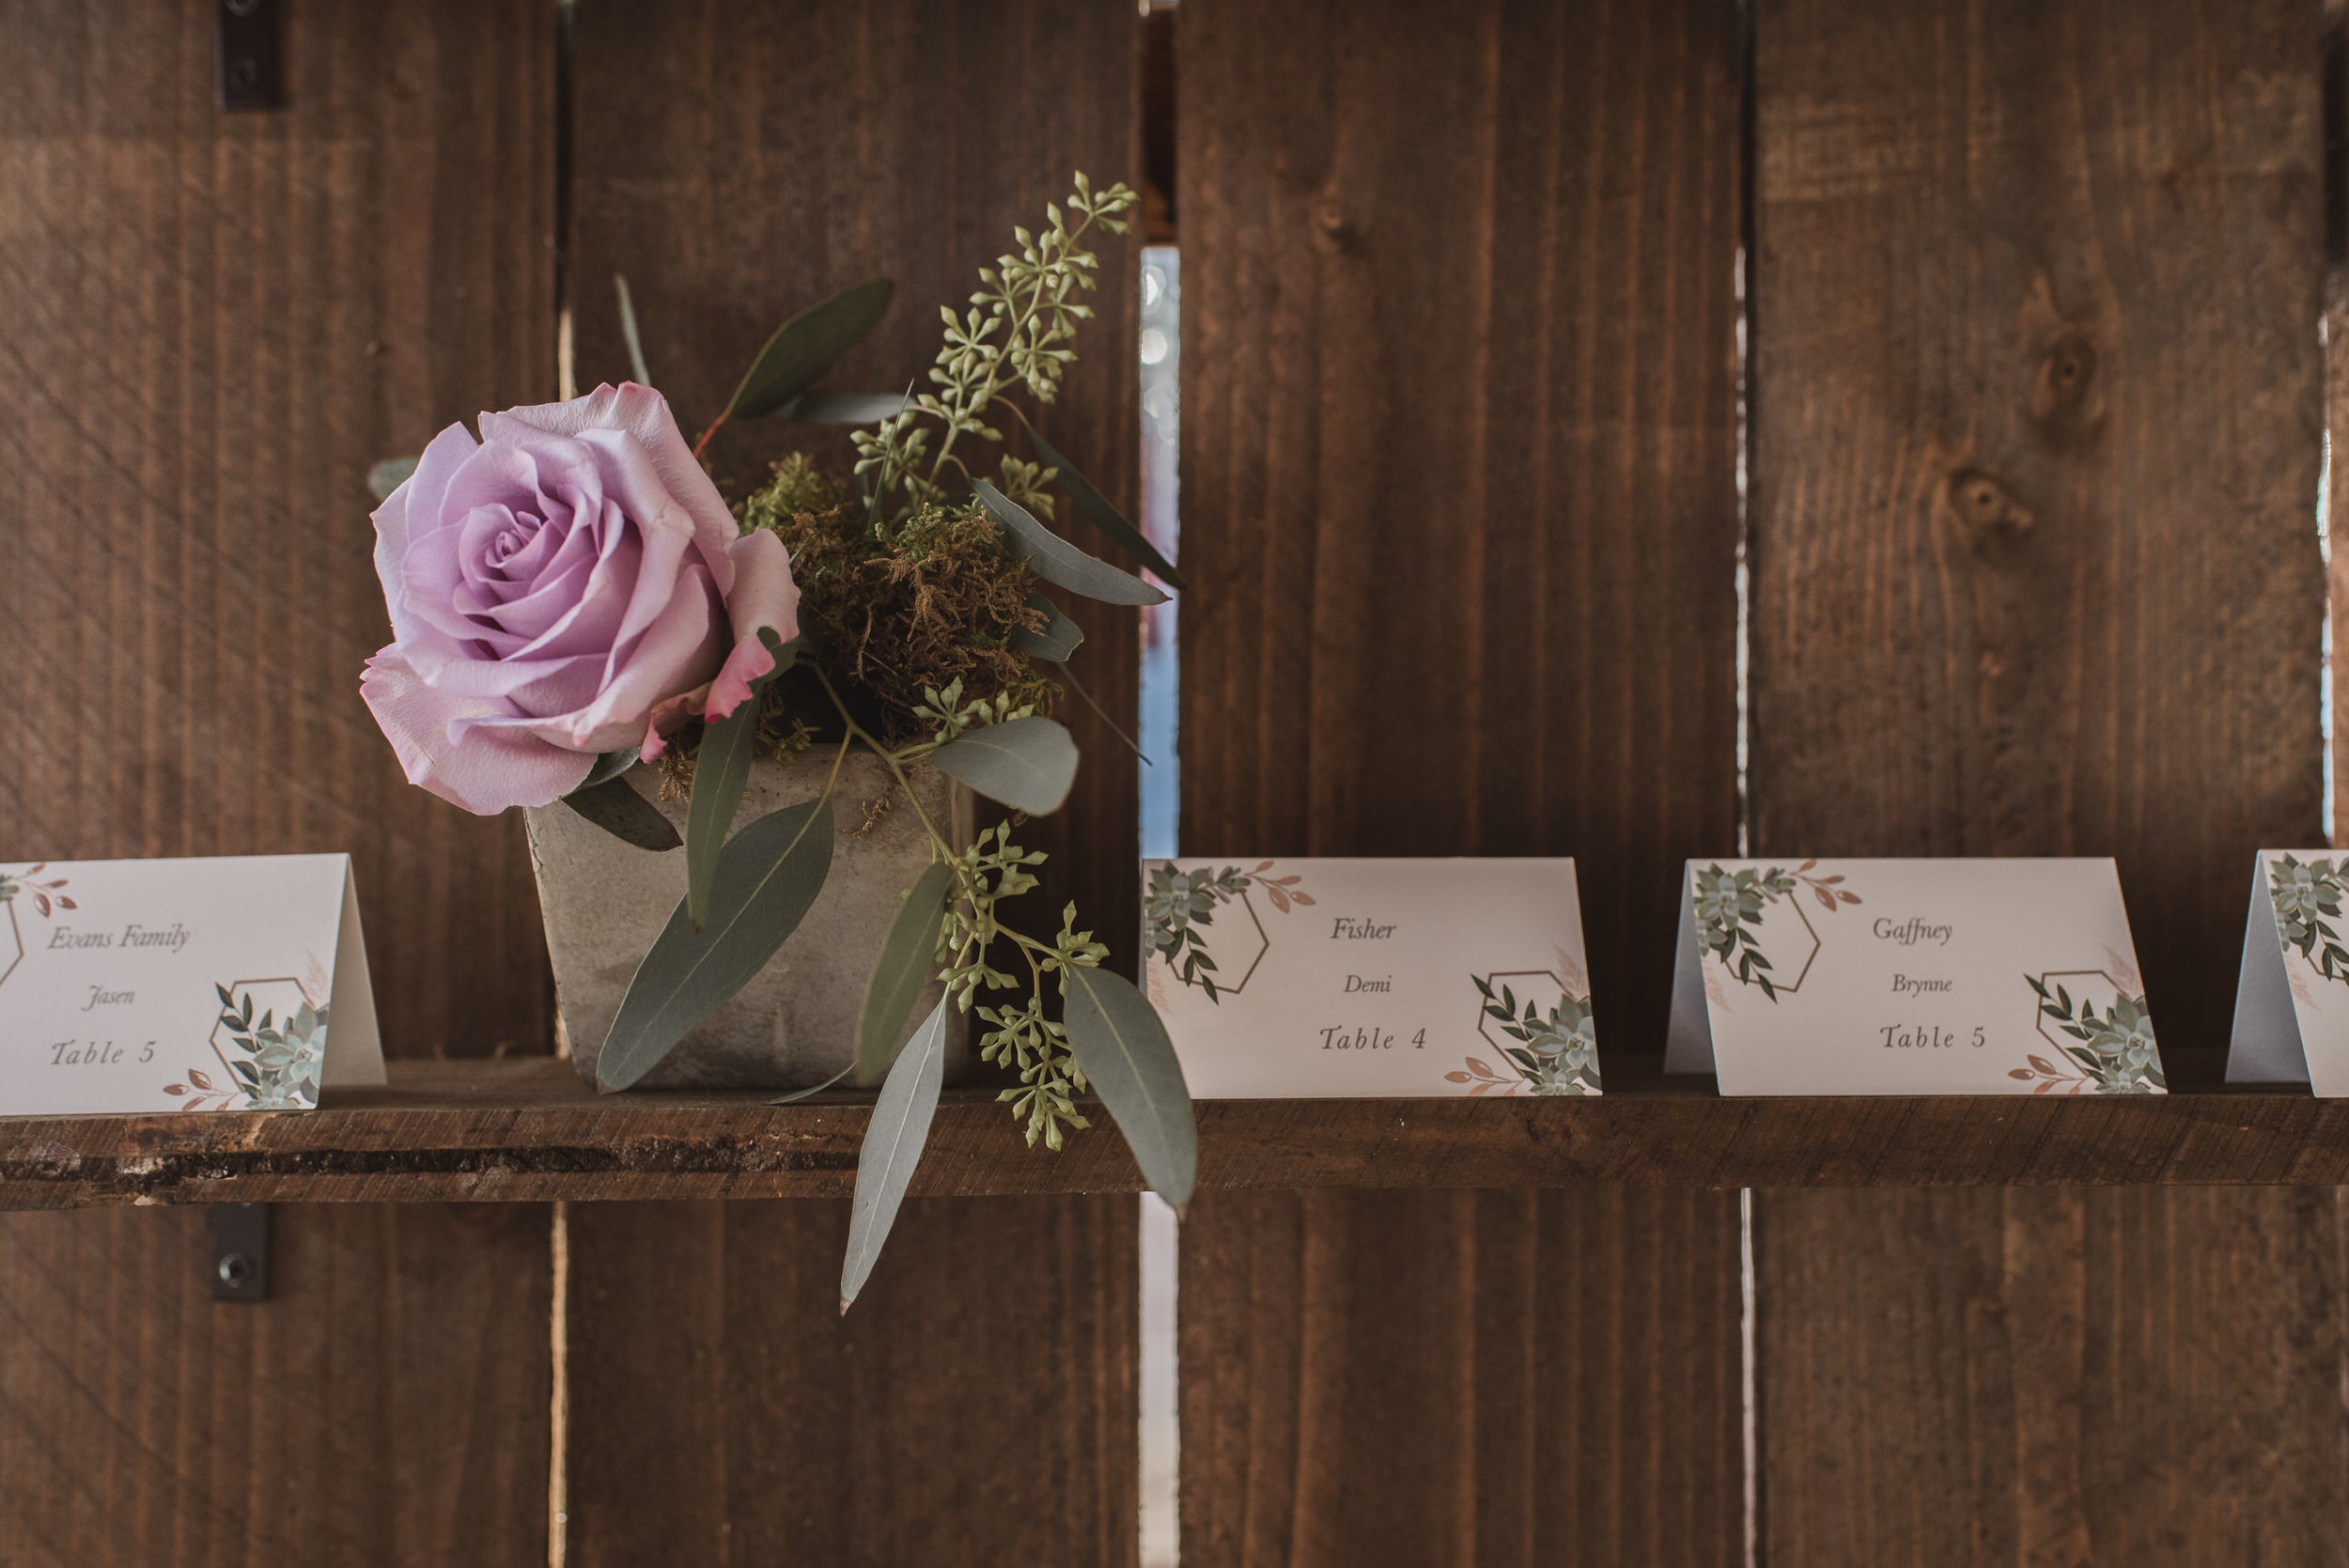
[(2033, 415)]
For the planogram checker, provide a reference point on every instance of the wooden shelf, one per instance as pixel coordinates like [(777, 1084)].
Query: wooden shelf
[(527, 1129)]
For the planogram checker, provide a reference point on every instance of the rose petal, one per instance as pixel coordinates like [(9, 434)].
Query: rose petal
[(764, 596), (643, 413), (489, 770), (415, 507)]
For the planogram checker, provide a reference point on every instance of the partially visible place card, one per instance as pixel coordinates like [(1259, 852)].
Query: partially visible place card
[(1329, 979), (1910, 977), (188, 985), (2292, 1003)]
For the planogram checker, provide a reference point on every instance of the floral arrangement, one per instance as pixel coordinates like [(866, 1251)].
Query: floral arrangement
[(571, 595)]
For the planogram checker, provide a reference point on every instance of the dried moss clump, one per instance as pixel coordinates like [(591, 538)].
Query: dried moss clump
[(921, 604)]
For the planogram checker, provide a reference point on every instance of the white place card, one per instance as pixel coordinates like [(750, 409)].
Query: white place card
[(182, 984), (1332, 979), (1910, 977), (2291, 1002)]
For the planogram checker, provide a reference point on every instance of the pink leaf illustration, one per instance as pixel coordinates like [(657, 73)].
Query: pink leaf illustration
[(1280, 899), (199, 1079), (1456, 1078), (1304, 898)]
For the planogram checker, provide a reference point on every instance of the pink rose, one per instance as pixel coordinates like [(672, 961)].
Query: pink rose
[(550, 585)]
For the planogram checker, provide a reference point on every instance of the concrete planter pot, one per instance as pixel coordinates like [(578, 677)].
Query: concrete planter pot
[(795, 1024)]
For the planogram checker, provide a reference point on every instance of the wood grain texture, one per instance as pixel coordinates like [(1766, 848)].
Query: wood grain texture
[(387, 1406), (977, 1405), (2037, 428), (2037, 435), (1459, 509), (1459, 446), (1577, 1332), (2053, 1377), (526, 1129), (214, 324), (738, 163)]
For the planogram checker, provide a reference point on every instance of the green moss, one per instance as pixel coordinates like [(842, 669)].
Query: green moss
[(920, 604)]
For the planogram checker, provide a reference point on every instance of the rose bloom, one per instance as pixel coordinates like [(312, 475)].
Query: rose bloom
[(554, 583)]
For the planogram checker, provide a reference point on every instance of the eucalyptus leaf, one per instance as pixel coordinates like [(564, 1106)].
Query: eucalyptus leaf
[(609, 765), (721, 772), (798, 1095), (1122, 1046), (1027, 764), (388, 475), (844, 408), (909, 957), (893, 1147), (1096, 507), (806, 346), (614, 806), (768, 876), (628, 332), (1055, 560), (1060, 637)]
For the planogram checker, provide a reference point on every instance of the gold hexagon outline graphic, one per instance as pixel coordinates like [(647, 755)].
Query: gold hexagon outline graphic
[(1796, 985), (16, 935), (1494, 979), (2039, 1018), (213, 1040), (1264, 946)]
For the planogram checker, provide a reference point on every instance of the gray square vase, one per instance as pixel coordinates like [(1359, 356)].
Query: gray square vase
[(795, 1024)]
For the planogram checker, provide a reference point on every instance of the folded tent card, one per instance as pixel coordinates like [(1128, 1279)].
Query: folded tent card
[(182, 984), (2291, 999), (1328, 979), (1910, 977)]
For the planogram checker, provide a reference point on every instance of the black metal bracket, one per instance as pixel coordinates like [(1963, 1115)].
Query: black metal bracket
[(240, 1267), (249, 77)]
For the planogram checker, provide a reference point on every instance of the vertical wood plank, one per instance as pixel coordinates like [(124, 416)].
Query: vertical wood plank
[(977, 1405), (214, 324), (1471, 1377), (738, 163), (1459, 509), (2037, 434)]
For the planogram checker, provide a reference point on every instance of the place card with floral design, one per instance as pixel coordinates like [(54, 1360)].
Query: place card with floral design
[(1910, 977), (1337, 978), (2291, 1002), (182, 984)]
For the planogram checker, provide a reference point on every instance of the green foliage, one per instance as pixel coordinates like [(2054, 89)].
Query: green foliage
[(1175, 907), (1014, 335), (892, 1148), (1122, 1046), (280, 1066), (1055, 560), (2307, 898), (611, 803), (907, 954), (768, 876), (1557, 1053), (2115, 1052), (796, 484), (806, 346)]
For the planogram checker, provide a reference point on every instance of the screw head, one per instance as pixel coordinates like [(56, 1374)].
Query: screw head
[(236, 1269)]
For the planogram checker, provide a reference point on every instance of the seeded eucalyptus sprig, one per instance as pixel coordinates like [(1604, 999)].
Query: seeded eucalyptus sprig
[(1014, 333)]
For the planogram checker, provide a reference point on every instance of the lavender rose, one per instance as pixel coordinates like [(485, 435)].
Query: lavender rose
[(554, 583)]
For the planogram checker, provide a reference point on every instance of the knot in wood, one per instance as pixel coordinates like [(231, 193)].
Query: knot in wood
[(2065, 392), (1333, 228), (1981, 503)]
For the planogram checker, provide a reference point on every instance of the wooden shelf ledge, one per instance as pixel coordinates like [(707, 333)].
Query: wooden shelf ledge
[(527, 1129)]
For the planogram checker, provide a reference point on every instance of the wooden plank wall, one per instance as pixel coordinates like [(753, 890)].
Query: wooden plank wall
[(2036, 401), (1459, 512), (738, 162), (213, 324), (2036, 429)]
